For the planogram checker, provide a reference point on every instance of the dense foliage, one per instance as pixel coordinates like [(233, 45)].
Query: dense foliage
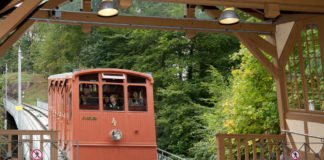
[(203, 86)]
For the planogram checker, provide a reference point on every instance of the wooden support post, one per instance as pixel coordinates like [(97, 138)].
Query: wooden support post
[(220, 147), (54, 145), (18, 16), (282, 95)]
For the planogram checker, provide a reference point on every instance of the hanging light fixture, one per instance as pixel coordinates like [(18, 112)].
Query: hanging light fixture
[(108, 8), (229, 16)]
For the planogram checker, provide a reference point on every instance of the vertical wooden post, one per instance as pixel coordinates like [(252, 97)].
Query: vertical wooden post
[(220, 147), (20, 147), (282, 95), (9, 144), (31, 144), (246, 148), (41, 143), (238, 148), (254, 149), (54, 145)]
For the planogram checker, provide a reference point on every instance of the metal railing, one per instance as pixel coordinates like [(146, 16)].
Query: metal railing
[(41, 104), (165, 155)]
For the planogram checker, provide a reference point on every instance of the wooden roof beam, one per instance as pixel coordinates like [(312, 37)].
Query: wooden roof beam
[(53, 4), (9, 6), (5, 45), (17, 16), (78, 18), (313, 6)]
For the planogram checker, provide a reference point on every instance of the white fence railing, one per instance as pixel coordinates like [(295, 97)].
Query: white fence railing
[(42, 105)]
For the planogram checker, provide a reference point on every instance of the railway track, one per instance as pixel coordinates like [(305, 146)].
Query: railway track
[(37, 114)]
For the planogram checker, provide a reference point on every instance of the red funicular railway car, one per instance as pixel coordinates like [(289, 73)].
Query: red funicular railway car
[(103, 114)]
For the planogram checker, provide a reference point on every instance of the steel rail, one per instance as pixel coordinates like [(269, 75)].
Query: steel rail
[(34, 116)]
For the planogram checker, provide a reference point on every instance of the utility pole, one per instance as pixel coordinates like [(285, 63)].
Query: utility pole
[(6, 97), (19, 108), (19, 76)]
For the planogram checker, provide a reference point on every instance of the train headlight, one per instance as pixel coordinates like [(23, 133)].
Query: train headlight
[(116, 135)]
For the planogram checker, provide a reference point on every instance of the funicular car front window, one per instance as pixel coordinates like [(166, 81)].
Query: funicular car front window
[(89, 96), (137, 99), (113, 97)]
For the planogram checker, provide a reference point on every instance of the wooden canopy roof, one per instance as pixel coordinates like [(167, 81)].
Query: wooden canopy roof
[(19, 15)]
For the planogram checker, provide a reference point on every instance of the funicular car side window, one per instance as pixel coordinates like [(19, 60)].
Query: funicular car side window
[(113, 97), (137, 98), (89, 97)]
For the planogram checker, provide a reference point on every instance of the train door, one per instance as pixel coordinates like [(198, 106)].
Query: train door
[(140, 110), (88, 107)]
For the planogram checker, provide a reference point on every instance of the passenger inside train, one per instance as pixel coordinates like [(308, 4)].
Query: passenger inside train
[(89, 96), (137, 98), (113, 97)]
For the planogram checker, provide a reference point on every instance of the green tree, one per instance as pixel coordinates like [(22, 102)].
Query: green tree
[(251, 107)]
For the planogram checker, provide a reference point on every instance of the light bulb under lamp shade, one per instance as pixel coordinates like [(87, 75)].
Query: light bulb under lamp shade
[(108, 8), (229, 16)]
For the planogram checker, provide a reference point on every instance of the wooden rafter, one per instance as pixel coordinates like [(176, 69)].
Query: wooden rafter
[(22, 27), (313, 6), (78, 18), (268, 65), (9, 6), (14, 37), (17, 16)]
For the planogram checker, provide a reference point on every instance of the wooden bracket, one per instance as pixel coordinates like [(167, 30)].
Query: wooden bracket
[(263, 44), (288, 46), (268, 65)]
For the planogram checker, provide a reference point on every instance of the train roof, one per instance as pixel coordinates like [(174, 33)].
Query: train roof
[(67, 75), (71, 75)]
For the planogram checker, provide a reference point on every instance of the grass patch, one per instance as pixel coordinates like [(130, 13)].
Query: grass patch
[(34, 86)]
